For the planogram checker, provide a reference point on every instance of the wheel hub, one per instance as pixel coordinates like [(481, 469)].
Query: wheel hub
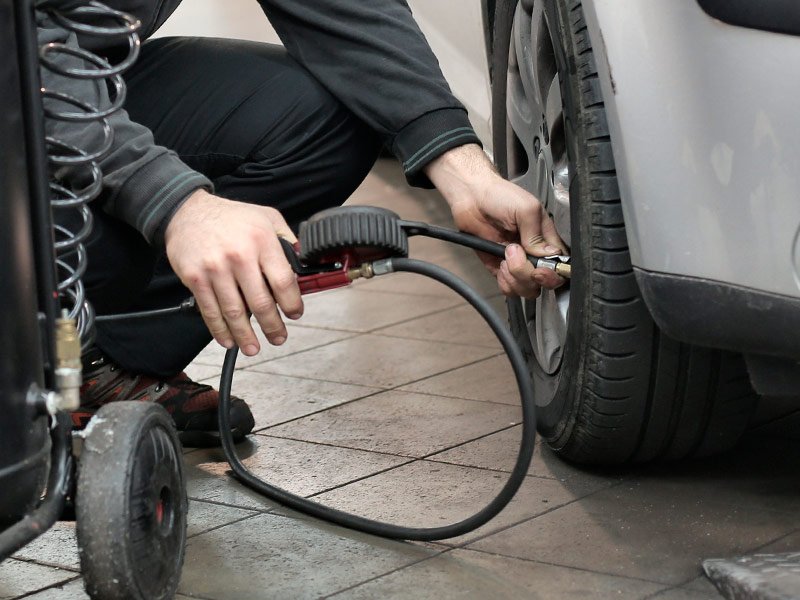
[(538, 162)]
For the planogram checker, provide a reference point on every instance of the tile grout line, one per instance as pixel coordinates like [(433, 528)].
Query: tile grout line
[(755, 429), (462, 302), (374, 392), (386, 574), (266, 360), (42, 563), (583, 569), (60, 584), (526, 519), (226, 505), (395, 336), (777, 539), (424, 457), (210, 529), (380, 472), (391, 388)]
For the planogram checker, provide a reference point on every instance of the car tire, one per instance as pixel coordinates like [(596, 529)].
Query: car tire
[(612, 389)]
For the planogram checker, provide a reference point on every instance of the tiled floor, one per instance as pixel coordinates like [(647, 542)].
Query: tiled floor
[(392, 400)]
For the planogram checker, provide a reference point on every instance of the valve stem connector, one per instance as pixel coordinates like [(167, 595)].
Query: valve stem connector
[(564, 269), (69, 376)]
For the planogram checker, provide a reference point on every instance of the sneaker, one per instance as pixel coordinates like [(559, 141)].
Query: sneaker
[(193, 406)]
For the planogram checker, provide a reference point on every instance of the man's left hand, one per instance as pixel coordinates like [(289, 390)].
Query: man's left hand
[(486, 205)]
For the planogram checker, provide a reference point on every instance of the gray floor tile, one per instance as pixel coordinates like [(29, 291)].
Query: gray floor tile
[(686, 593), (461, 325), (71, 591), (57, 547), (702, 584), (351, 309), (785, 427), (301, 467), (462, 262), (217, 486), (279, 398), (773, 408), (491, 379), (787, 543), (204, 516), (280, 557), (401, 423), (376, 360), (643, 530), (427, 494), (467, 574), (499, 452), (205, 373), (18, 578), (761, 474), (300, 339)]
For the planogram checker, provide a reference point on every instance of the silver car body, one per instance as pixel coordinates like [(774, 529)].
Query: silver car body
[(706, 133)]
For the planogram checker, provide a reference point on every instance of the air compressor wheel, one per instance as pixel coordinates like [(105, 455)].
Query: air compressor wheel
[(131, 504)]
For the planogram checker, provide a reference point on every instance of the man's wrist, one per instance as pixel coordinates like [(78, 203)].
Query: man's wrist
[(198, 197), (461, 173)]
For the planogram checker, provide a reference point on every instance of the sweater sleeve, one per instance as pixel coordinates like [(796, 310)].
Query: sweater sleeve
[(143, 183), (373, 57)]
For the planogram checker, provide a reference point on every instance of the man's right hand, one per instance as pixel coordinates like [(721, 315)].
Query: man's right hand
[(229, 255)]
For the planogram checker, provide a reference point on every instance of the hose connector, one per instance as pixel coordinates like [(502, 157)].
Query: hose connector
[(69, 371), (368, 270)]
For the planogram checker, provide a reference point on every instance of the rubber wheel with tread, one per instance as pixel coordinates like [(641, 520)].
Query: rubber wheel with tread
[(131, 504), (624, 392)]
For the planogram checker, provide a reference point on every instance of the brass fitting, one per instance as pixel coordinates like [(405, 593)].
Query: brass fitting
[(564, 269), (68, 362), (364, 270), (368, 270)]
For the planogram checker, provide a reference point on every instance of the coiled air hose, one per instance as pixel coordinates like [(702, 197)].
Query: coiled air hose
[(376, 241), (388, 530), (75, 175)]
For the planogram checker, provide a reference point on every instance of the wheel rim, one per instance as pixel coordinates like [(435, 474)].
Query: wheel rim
[(156, 511), (537, 161)]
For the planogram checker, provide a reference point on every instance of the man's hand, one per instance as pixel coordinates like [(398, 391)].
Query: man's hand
[(222, 251), (486, 205)]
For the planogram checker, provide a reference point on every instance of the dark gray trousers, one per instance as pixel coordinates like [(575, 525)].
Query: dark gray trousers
[(263, 130)]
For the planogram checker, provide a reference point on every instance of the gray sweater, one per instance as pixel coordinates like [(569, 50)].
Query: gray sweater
[(369, 53)]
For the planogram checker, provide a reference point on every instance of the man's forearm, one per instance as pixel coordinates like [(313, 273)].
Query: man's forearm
[(462, 173)]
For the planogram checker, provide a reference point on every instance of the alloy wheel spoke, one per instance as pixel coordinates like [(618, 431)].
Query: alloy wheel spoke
[(523, 51), (520, 116), (553, 107)]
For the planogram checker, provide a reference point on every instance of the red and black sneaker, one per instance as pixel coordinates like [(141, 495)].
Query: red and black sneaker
[(193, 406)]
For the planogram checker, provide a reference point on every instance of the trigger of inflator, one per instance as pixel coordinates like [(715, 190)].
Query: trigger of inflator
[(321, 277)]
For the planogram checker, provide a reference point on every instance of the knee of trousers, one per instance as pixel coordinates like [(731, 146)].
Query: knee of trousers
[(319, 135)]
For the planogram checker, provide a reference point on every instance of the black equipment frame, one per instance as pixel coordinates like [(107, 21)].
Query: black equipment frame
[(35, 450)]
